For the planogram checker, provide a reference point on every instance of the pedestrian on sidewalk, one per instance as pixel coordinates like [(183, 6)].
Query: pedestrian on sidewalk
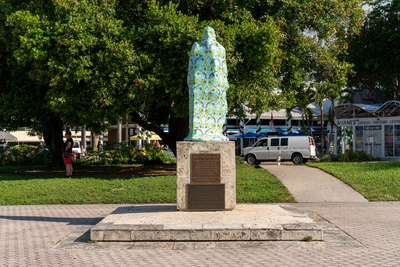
[(67, 154)]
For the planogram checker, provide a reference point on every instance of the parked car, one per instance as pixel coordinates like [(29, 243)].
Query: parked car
[(295, 148), (76, 147)]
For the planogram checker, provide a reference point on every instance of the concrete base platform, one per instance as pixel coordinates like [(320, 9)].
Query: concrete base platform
[(247, 222)]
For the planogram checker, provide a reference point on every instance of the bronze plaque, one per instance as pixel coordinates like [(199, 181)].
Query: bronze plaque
[(205, 168), (206, 196)]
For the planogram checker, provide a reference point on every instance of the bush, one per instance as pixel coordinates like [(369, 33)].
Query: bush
[(324, 157), (352, 155), (148, 154), (363, 156), (343, 157), (23, 155), (348, 156), (6, 158)]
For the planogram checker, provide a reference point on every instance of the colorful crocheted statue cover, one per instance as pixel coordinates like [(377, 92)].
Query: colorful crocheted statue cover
[(208, 82)]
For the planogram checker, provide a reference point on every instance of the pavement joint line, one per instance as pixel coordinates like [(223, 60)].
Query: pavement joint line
[(325, 219)]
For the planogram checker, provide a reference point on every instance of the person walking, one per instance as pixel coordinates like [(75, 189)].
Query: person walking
[(67, 154), (99, 146)]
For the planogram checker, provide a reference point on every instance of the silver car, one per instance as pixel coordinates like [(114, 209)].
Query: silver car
[(295, 148)]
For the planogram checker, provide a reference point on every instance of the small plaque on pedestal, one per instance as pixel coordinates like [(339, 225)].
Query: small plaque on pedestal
[(206, 196)]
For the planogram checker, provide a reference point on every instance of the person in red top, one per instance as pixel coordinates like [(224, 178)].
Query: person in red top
[(67, 150)]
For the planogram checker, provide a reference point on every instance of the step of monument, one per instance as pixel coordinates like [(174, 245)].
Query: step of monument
[(248, 222), (107, 232)]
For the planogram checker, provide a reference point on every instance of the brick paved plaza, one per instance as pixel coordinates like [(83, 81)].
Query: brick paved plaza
[(29, 233)]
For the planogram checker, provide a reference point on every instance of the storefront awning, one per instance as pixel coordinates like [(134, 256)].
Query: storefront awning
[(390, 108), (296, 114), (5, 136)]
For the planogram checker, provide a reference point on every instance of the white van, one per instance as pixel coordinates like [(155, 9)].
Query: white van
[(295, 148), (76, 147)]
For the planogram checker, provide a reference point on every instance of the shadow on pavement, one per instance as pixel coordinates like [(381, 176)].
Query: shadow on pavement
[(70, 221)]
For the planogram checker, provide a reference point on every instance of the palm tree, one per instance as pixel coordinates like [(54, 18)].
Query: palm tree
[(318, 94), (306, 114), (338, 94)]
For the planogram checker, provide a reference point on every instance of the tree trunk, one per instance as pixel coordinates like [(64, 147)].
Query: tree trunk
[(308, 124), (322, 128), (330, 141), (178, 130), (309, 127), (53, 137), (331, 133), (303, 124), (95, 140)]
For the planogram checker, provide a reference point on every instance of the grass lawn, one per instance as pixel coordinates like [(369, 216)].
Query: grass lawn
[(375, 181), (122, 184)]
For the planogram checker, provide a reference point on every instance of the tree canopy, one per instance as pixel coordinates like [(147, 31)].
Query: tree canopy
[(375, 52), (98, 60)]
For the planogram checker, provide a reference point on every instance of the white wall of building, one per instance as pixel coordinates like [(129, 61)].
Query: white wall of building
[(378, 136)]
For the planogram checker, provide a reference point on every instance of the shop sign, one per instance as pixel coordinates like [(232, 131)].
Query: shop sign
[(372, 128), (372, 121)]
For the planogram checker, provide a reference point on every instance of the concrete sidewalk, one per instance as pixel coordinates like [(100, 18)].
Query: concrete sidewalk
[(308, 184), (28, 234)]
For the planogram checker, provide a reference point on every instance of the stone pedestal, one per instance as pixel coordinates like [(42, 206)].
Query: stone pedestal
[(227, 168)]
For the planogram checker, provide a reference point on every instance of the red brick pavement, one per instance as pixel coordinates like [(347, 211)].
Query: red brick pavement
[(27, 234)]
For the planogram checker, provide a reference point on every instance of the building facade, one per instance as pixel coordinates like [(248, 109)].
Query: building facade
[(373, 128)]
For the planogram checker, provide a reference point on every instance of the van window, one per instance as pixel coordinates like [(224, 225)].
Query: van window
[(312, 140), (284, 141), (262, 143), (275, 142), (75, 145)]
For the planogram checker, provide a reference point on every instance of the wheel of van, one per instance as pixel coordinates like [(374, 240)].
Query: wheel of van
[(297, 158), (251, 159)]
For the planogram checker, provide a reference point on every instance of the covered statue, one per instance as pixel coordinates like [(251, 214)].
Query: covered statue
[(208, 82)]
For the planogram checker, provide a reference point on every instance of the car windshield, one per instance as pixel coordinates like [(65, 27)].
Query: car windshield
[(261, 143), (76, 145)]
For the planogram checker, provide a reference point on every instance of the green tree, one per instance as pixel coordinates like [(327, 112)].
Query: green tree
[(303, 100), (81, 53), (23, 101), (267, 49), (318, 93), (375, 52), (337, 94), (65, 61), (139, 67)]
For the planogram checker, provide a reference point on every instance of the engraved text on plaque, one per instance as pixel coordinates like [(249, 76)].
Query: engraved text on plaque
[(206, 197), (205, 168)]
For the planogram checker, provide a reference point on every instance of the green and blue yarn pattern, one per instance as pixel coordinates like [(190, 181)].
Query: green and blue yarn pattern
[(208, 83)]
